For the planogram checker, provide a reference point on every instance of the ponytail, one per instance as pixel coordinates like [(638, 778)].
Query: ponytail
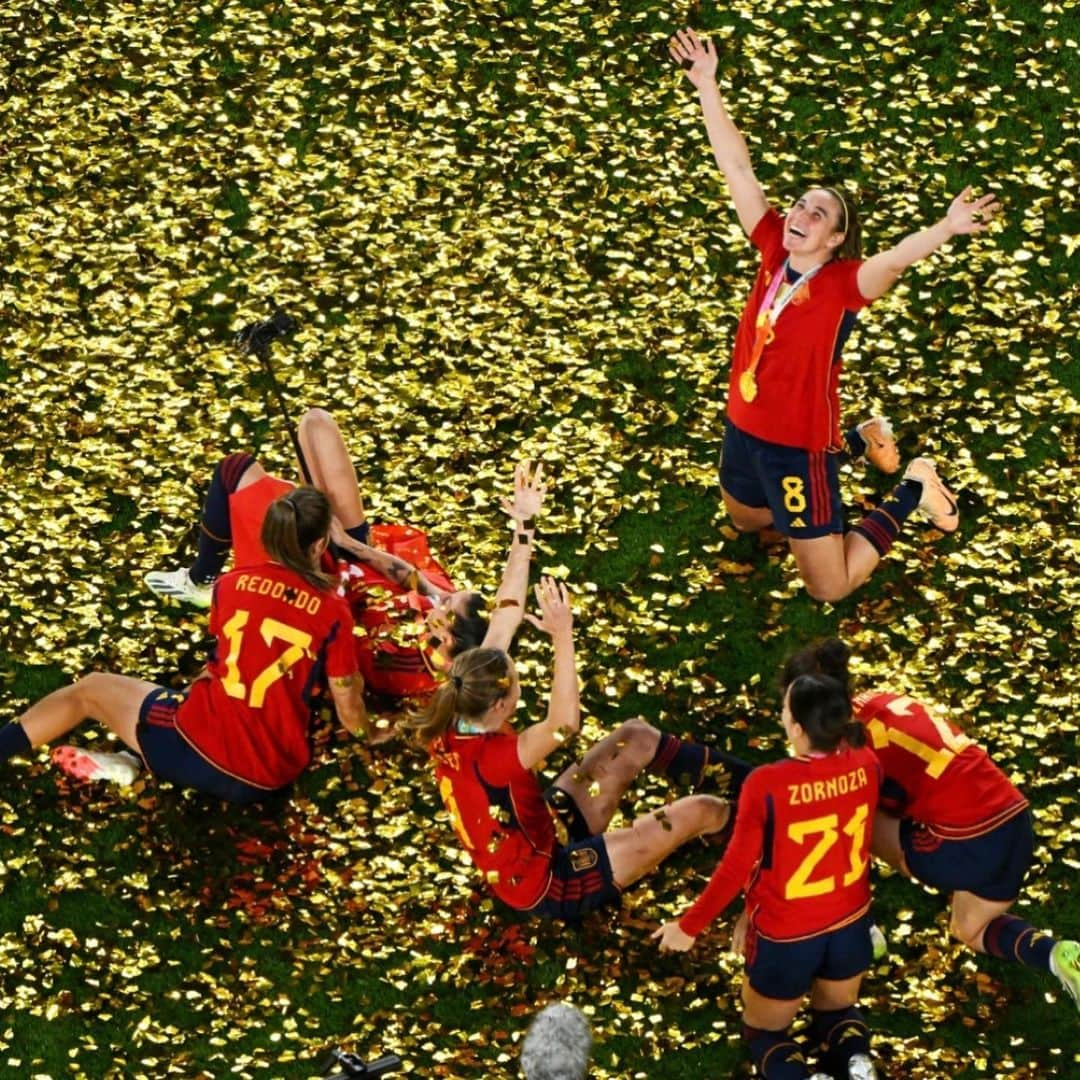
[(477, 679), (293, 525), (821, 707)]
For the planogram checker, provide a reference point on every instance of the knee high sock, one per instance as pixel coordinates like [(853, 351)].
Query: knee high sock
[(882, 525), (215, 532), (843, 1033), (776, 1054), (854, 445), (1010, 938), (686, 763), (13, 741)]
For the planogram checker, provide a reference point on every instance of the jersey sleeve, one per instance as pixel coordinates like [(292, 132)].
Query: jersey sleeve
[(848, 280), (768, 237), (340, 653), (739, 859)]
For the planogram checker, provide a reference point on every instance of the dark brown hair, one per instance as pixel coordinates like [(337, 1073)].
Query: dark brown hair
[(477, 679), (829, 656), (821, 707), (847, 215), (470, 628), (293, 525)]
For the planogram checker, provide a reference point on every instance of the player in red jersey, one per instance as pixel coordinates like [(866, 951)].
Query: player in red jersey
[(547, 852), (410, 618), (782, 440), (801, 853), (950, 818), (241, 731)]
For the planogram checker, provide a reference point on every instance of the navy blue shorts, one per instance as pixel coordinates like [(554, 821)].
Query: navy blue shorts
[(581, 877), (991, 866), (787, 969), (800, 487), (169, 755)]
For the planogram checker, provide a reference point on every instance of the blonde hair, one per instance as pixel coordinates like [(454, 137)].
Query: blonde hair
[(477, 678)]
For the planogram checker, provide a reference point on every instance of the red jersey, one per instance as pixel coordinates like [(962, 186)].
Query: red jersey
[(934, 773), (247, 509), (800, 849), (798, 376), (498, 811), (277, 638)]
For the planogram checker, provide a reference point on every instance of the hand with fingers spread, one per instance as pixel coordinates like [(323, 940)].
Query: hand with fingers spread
[(687, 48), (968, 215), (672, 939), (556, 615), (529, 492)]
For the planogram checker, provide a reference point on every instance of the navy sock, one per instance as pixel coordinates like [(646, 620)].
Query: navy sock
[(215, 531), (13, 741), (686, 763), (1010, 938), (882, 525), (360, 532), (843, 1033), (776, 1054)]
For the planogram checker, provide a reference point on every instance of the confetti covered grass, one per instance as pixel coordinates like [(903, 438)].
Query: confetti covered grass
[(504, 236)]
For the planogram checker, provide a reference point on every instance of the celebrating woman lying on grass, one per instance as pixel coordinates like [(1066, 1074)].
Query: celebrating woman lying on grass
[(546, 852), (782, 442), (241, 731), (411, 620)]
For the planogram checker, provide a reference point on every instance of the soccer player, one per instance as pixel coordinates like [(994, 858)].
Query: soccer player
[(547, 853), (241, 730), (779, 467), (801, 853), (410, 618), (950, 818)]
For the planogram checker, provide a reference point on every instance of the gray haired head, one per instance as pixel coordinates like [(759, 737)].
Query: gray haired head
[(558, 1045)]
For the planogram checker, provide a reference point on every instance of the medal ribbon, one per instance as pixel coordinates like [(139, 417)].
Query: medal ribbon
[(769, 311)]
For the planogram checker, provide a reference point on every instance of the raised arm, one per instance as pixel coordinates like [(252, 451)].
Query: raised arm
[(564, 709), (966, 215), (529, 492), (728, 145)]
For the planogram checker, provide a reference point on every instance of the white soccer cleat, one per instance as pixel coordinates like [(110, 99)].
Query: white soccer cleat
[(121, 768), (1065, 964), (881, 449), (860, 1067), (878, 942), (178, 585), (937, 502)]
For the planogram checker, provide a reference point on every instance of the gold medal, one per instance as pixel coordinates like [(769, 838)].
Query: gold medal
[(748, 386)]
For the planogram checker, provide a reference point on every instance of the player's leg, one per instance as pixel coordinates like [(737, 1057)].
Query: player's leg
[(635, 851), (192, 585), (743, 496), (766, 1023), (330, 467), (836, 1024), (599, 780), (113, 700), (885, 841)]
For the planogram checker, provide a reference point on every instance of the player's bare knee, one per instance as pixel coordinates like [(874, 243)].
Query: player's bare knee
[(967, 931), (316, 420), (709, 813), (638, 737), (89, 691), (826, 594)]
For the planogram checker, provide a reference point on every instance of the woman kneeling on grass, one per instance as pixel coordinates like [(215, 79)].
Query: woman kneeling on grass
[(547, 852), (801, 852), (782, 442), (241, 731)]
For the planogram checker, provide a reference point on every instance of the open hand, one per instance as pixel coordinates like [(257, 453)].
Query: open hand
[(686, 46), (967, 215), (672, 939), (556, 615), (529, 492)]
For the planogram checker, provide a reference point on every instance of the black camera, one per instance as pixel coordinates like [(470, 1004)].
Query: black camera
[(342, 1066), (257, 337)]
